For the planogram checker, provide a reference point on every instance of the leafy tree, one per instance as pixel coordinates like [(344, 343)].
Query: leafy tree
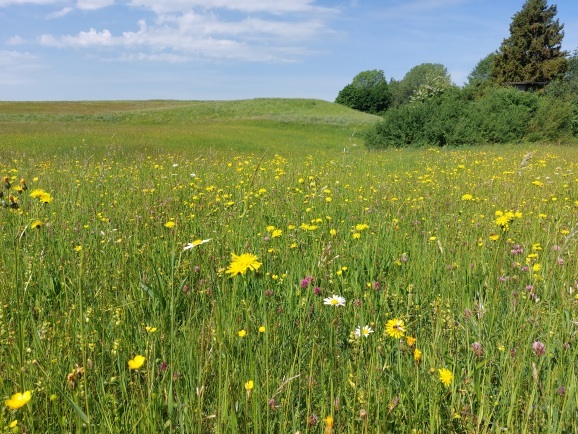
[(420, 82), (566, 86), (533, 51), (482, 71), (368, 92)]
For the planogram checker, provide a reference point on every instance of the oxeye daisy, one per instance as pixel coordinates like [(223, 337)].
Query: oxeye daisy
[(334, 300), (364, 331)]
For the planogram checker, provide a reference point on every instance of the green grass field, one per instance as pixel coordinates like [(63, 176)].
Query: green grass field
[(336, 290)]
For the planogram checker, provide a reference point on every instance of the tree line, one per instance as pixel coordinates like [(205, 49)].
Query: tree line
[(527, 90)]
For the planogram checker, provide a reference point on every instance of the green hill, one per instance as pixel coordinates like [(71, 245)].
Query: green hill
[(254, 124)]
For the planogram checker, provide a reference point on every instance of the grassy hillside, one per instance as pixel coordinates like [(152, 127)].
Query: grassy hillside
[(242, 125)]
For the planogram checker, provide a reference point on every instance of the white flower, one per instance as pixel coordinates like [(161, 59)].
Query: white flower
[(335, 300), (195, 244), (363, 331)]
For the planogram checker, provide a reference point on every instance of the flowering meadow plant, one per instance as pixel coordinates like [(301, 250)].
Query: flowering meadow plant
[(159, 283)]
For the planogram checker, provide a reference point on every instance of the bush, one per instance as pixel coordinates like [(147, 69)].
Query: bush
[(455, 118)]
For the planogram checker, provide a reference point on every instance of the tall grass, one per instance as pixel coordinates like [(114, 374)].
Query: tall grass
[(99, 275)]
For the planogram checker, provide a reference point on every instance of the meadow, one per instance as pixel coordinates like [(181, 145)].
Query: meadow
[(248, 266)]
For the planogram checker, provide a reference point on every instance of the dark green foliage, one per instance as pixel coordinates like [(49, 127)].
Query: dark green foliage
[(455, 118), (368, 92), (533, 51)]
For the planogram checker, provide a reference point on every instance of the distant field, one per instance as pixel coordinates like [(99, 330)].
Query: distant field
[(248, 266), (241, 125)]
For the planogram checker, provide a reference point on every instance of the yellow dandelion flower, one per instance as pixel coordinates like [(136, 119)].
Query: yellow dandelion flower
[(170, 224), (395, 328), (241, 263), (242, 333), (417, 355), (445, 376), (36, 224), (467, 196), (262, 329), (249, 385)]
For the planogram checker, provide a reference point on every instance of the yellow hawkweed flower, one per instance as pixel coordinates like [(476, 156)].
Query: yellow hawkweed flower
[(242, 333), (241, 263), (446, 376), (395, 328), (249, 385)]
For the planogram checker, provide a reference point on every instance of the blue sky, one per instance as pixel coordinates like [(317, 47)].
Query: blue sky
[(237, 49)]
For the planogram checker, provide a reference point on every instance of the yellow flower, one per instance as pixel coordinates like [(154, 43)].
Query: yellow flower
[(137, 362), (241, 263), (78, 248), (36, 224), (395, 328), (18, 400), (446, 376), (150, 329), (417, 355), (262, 329), (276, 233), (467, 196), (13, 423), (494, 237), (410, 341), (242, 333), (249, 385), (170, 224), (36, 193)]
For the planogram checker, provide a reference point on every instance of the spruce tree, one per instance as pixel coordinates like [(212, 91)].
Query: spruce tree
[(533, 51)]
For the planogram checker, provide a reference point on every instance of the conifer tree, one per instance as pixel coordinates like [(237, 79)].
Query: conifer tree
[(533, 51)]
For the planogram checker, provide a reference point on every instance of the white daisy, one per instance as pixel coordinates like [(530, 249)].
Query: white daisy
[(335, 300)]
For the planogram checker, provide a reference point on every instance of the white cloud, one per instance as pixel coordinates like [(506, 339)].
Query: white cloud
[(205, 34), (268, 6), (93, 4), (60, 13), (15, 40), (4, 3), (15, 65)]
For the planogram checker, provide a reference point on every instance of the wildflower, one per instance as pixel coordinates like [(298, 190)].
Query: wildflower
[(539, 348), (477, 349), (13, 423), (446, 376), (170, 224), (395, 328), (363, 331), (45, 198), (137, 362), (335, 300), (241, 263), (494, 237), (18, 400), (328, 424), (467, 196), (410, 341), (417, 355), (262, 329), (249, 385), (361, 227), (276, 233), (36, 193), (242, 333), (78, 248), (195, 243), (36, 224), (150, 329)]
